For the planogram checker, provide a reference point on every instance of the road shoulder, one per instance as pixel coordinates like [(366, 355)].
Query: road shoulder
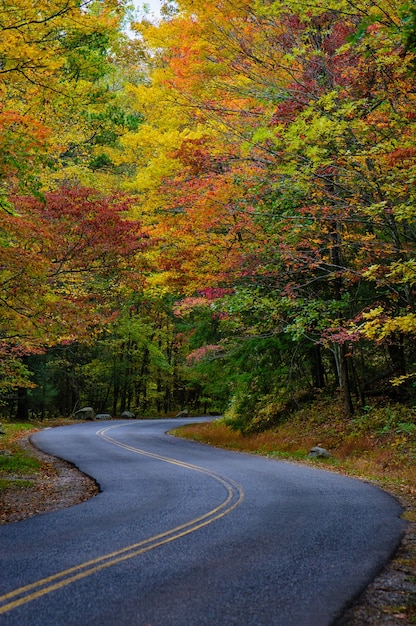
[(58, 485)]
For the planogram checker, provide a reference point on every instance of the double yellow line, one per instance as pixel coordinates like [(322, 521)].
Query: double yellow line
[(39, 588)]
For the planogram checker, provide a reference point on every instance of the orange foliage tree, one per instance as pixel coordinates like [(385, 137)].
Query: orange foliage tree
[(65, 262)]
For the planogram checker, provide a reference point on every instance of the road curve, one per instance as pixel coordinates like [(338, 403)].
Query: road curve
[(187, 535)]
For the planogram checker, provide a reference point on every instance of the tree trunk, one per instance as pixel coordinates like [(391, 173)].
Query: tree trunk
[(345, 382), (397, 356), (336, 259), (22, 413), (341, 361), (317, 368)]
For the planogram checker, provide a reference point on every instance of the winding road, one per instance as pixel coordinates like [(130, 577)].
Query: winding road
[(183, 534)]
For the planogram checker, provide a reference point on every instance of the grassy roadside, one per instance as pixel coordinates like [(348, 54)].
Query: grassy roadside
[(19, 469)]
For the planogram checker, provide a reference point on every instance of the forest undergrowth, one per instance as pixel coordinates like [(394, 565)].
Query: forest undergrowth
[(378, 443)]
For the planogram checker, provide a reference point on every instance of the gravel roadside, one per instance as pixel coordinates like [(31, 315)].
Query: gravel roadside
[(57, 486)]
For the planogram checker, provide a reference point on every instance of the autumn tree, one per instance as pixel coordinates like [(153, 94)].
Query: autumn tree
[(270, 151), (57, 101), (293, 129), (67, 251), (65, 262)]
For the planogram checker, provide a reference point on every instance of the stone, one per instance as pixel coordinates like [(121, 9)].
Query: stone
[(183, 413), (103, 416), (86, 413), (127, 415), (319, 452)]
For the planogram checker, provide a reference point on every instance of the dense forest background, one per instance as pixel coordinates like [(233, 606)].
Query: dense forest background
[(214, 212)]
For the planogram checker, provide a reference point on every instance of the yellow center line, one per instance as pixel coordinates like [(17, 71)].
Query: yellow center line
[(32, 591)]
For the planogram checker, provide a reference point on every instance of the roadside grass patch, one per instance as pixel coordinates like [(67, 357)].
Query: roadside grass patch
[(15, 463), (18, 463), (9, 483)]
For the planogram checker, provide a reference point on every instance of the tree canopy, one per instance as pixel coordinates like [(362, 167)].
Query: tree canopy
[(252, 240)]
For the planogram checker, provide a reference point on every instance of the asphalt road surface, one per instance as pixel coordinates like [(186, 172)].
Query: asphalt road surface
[(183, 534)]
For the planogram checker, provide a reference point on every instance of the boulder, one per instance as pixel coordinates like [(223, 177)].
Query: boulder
[(319, 452), (127, 415), (183, 413), (86, 413), (103, 416)]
